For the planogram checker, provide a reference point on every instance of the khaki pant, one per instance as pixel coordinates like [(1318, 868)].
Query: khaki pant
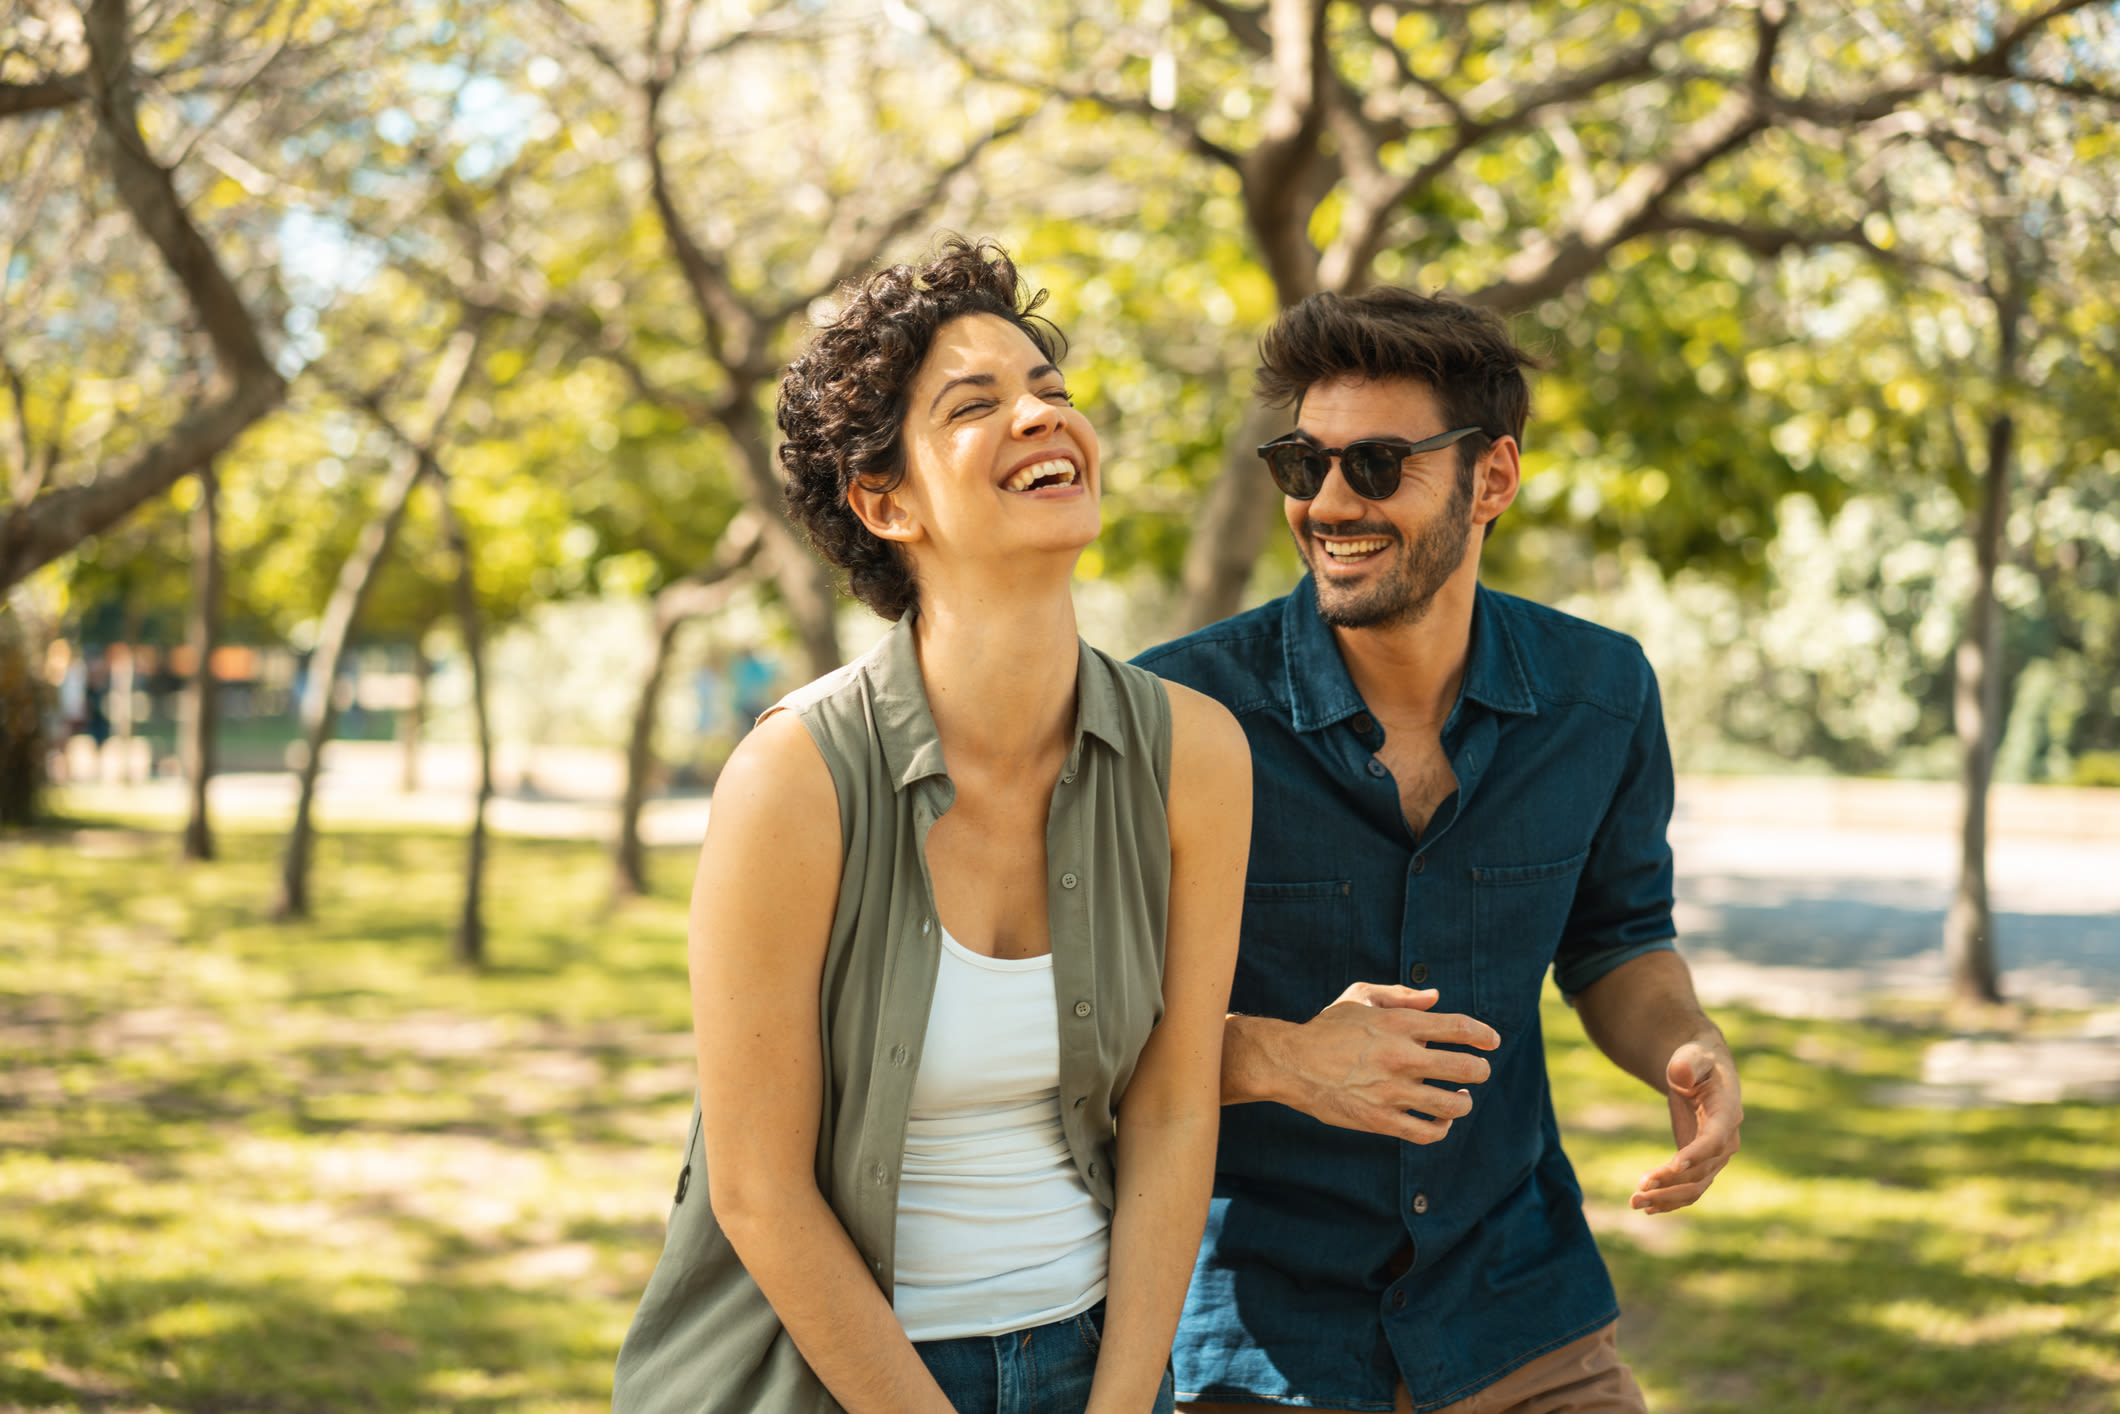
[(1582, 1377)]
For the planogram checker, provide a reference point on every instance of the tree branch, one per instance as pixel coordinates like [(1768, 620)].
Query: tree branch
[(705, 589), (860, 255), (1994, 62), (1180, 123), (1760, 240), (42, 95), (249, 386), (731, 327), (1247, 26), (1547, 268)]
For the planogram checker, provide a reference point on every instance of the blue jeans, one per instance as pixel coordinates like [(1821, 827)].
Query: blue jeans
[(1044, 1370)]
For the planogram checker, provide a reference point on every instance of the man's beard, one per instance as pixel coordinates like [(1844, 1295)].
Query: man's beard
[(1403, 593)]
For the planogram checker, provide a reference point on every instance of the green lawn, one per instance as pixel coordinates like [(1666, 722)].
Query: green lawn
[(245, 1166)]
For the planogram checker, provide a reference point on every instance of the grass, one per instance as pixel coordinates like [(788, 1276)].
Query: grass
[(314, 1167)]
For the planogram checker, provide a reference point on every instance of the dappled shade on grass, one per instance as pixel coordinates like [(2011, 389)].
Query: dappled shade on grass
[(315, 1167)]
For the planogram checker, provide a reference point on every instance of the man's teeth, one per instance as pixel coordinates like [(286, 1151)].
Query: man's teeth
[(1353, 549), (1053, 471)]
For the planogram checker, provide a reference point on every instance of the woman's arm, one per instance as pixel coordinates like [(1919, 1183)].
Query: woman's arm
[(762, 909), (1172, 1106)]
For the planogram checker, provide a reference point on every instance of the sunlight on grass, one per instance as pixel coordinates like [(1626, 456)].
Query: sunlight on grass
[(1857, 1256), (314, 1167)]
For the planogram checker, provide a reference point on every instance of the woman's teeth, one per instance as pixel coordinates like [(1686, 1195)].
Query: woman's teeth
[(1053, 471), (1353, 549)]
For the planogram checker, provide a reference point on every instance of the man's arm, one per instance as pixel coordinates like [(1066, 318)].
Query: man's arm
[(1645, 1016), (1362, 1063)]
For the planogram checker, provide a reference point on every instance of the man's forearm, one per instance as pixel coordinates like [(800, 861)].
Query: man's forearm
[(1252, 1067), (1642, 1011)]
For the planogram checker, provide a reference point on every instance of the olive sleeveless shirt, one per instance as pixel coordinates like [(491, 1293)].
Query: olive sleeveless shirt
[(705, 1340)]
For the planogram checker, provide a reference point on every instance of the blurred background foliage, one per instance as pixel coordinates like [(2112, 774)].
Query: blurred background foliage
[(1751, 242)]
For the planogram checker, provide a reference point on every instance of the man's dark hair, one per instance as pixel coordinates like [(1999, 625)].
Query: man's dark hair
[(1465, 354), (843, 402)]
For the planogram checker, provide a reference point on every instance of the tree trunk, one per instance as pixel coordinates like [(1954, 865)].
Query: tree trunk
[(806, 585), (1968, 929), (21, 723), (629, 859), (123, 681), (319, 708), (1234, 521), (245, 386), (692, 597), (411, 720), (470, 939), (201, 714)]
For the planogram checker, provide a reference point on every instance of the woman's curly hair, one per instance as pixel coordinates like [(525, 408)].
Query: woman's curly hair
[(843, 402)]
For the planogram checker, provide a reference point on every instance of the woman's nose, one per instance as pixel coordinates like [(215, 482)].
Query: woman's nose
[(1034, 415)]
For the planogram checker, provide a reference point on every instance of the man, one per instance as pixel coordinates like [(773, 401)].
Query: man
[(1455, 790)]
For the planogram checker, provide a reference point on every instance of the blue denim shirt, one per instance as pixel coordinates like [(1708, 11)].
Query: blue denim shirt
[(1552, 853)]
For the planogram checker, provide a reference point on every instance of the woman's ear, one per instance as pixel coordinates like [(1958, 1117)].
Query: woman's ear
[(885, 513)]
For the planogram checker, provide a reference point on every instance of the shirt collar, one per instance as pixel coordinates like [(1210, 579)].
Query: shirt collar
[(1320, 692), (911, 746)]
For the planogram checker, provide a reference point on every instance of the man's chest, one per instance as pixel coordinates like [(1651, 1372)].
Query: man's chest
[(1421, 772)]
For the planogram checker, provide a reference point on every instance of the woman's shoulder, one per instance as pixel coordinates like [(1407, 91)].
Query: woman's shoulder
[(1201, 728), (834, 690)]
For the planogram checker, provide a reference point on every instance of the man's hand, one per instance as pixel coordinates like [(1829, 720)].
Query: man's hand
[(1363, 1062), (1701, 1084)]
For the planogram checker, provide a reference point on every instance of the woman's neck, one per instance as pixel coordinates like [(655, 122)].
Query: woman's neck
[(1000, 674)]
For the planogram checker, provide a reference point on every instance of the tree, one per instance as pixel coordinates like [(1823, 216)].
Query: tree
[(201, 711), (469, 943), (745, 277), (697, 595), (2021, 232), (1510, 147), (319, 709), (45, 518)]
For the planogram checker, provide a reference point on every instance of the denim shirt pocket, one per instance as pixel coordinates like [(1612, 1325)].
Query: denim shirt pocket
[(1518, 911), (1294, 948)]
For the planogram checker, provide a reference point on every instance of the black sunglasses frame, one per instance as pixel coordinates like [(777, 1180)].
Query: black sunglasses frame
[(1372, 465)]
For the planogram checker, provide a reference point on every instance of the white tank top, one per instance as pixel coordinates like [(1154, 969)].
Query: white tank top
[(996, 1230)]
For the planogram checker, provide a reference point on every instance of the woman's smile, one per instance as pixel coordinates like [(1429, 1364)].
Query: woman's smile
[(1052, 470)]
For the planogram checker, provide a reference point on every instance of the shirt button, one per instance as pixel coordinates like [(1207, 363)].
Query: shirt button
[(926, 924), (1068, 881), (898, 1055), (877, 1173), (1420, 863), (1398, 1300), (1094, 1170), (1417, 974), (1068, 779), (1082, 1008), (1420, 1203), (1363, 723), (1376, 767)]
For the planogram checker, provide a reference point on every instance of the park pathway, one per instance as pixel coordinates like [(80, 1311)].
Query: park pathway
[(1799, 895)]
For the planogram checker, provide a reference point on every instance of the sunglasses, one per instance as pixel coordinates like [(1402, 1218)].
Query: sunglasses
[(1370, 465)]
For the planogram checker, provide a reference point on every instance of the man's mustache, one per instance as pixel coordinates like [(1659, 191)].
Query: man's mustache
[(1350, 530)]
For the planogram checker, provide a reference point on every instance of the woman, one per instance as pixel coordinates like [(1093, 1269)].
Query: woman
[(963, 906)]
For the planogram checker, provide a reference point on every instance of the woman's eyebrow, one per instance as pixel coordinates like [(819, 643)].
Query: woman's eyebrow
[(980, 380)]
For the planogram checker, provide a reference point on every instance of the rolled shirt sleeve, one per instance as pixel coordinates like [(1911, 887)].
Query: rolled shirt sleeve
[(1623, 898)]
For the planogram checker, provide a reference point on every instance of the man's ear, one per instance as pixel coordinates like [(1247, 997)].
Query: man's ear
[(885, 513), (1497, 478)]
